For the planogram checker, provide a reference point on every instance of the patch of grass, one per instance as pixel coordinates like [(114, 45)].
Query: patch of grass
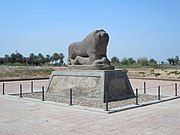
[(48, 70), (15, 64), (24, 72)]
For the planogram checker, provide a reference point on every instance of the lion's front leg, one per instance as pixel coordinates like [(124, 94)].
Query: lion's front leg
[(92, 56), (104, 60)]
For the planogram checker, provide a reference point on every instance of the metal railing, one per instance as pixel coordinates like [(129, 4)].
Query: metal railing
[(145, 90)]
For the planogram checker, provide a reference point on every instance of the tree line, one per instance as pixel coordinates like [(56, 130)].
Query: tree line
[(33, 59), (144, 62), (57, 59), (174, 61)]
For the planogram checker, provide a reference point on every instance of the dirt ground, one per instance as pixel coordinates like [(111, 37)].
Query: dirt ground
[(151, 73), (24, 72)]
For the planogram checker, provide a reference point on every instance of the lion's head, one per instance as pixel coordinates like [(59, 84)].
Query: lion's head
[(102, 39), (102, 35)]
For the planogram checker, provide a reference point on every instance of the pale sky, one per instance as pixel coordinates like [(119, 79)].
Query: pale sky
[(137, 28)]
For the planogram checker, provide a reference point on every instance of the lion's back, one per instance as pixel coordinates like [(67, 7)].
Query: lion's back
[(88, 44)]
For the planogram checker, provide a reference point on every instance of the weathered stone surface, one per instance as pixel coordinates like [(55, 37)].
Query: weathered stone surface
[(83, 86), (91, 84), (90, 67), (118, 86), (91, 52)]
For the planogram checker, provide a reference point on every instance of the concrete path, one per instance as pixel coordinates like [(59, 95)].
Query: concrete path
[(25, 117)]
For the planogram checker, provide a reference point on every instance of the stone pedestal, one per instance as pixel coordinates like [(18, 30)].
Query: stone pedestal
[(91, 84)]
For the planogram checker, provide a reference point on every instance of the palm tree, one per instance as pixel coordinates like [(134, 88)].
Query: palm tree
[(171, 61), (55, 57), (48, 59), (32, 59)]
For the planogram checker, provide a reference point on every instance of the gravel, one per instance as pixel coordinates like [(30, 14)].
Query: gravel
[(90, 102)]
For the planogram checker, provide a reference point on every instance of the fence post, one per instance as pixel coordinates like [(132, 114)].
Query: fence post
[(144, 87), (136, 96), (32, 86), (70, 94), (20, 91), (159, 93), (43, 93), (107, 108), (3, 89), (176, 92)]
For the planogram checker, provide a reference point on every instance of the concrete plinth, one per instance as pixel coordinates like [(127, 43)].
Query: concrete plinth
[(91, 84)]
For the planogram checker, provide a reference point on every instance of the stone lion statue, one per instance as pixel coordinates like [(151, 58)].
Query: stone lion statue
[(91, 51)]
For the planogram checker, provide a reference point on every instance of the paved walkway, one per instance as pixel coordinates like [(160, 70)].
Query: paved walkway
[(12, 87), (25, 117), (167, 87)]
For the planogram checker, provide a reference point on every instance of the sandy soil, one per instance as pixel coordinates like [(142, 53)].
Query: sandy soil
[(133, 73), (151, 73), (24, 72)]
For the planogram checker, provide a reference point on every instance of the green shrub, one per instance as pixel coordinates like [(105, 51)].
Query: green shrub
[(157, 74), (142, 73), (152, 71), (174, 72)]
